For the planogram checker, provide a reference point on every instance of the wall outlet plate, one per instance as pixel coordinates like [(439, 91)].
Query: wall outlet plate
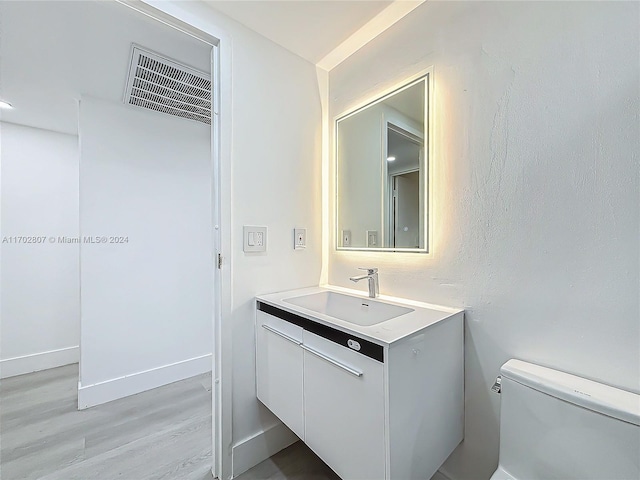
[(254, 238), (299, 238), (346, 238), (372, 238)]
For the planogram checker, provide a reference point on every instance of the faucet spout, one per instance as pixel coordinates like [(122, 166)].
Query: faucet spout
[(372, 277), (358, 278)]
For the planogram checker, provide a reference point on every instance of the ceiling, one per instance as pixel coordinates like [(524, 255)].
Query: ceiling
[(53, 53), (409, 102), (308, 28), (405, 150)]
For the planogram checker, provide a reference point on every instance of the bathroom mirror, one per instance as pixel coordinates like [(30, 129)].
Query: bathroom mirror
[(382, 172)]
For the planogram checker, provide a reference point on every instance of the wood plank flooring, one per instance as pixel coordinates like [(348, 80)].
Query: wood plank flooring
[(162, 434)]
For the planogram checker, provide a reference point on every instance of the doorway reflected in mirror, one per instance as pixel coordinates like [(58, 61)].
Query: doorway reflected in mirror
[(382, 172)]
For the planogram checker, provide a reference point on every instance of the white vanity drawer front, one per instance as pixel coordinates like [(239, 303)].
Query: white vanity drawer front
[(279, 369), (344, 408), (278, 326)]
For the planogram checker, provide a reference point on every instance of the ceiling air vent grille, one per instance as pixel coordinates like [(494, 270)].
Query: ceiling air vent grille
[(160, 84)]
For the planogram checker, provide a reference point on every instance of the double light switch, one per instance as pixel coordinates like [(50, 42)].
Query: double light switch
[(254, 238)]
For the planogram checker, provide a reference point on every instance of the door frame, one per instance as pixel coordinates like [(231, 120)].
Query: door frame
[(172, 14), (392, 203), (416, 136)]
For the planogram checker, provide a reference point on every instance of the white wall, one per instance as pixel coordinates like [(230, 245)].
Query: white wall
[(39, 321), (146, 304), (536, 189), (276, 182), (360, 145)]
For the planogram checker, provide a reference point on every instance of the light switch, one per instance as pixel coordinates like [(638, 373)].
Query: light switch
[(254, 238), (372, 238)]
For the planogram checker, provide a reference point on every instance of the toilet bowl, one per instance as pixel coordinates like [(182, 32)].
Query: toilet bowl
[(554, 425)]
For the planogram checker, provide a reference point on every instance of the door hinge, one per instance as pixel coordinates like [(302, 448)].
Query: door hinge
[(219, 261)]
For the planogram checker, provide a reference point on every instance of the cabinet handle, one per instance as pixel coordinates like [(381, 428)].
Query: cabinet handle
[(352, 371), (280, 334)]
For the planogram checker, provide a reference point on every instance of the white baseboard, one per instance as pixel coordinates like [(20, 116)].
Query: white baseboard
[(35, 362), (251, 451), (103, 392)]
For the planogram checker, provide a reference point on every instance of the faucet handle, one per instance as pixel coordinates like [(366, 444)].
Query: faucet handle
[(370, 271)]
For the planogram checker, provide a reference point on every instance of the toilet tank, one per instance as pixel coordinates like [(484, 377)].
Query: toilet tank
[(554, 425)]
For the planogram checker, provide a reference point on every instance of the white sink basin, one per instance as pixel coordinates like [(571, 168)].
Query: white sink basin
[(356, 310)]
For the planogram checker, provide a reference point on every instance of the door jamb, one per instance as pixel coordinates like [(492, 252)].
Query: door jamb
[(172, 15)]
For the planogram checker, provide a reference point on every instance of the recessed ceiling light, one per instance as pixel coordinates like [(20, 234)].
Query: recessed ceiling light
[(390, 159), (5, 105)]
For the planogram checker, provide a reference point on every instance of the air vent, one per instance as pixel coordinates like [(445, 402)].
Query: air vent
[(160, 84)]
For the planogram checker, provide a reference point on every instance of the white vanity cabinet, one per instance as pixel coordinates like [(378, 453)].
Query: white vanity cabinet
[(279, 372), (344, 408), (372, 410)]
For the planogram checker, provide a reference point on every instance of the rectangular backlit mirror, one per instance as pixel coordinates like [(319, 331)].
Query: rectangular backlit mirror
[(382, 172)]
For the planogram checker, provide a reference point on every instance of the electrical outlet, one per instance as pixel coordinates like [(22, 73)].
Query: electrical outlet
[(299, 238), (346, 238), (372, 238), (254, 239)]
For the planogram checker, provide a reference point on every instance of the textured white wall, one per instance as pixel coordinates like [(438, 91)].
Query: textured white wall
[(146, 303), (40, 299), (536, 189)]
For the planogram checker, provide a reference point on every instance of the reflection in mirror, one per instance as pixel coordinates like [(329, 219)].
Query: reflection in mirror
[(382, 173)]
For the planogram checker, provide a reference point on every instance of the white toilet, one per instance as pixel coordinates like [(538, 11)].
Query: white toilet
[(558, 426)]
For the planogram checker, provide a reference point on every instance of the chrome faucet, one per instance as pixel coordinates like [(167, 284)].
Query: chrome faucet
[(372, 276)]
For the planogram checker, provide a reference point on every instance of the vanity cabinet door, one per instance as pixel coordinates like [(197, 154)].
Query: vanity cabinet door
[(344, 411), (279, 369)]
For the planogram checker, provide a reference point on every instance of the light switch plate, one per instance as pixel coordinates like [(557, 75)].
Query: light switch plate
[(254, 238), (299, 238), (372, 238)]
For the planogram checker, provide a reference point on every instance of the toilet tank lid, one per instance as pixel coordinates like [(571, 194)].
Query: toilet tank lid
[(595, 396)]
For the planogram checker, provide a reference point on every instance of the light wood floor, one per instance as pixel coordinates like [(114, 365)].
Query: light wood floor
[(161, 434)]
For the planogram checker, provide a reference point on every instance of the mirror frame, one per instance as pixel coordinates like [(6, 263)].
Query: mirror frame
[(426, 190)]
